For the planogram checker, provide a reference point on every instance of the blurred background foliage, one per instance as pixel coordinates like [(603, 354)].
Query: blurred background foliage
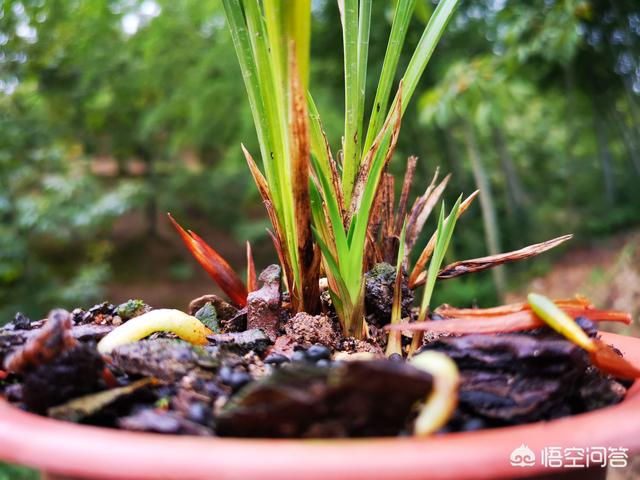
[(115, 112)]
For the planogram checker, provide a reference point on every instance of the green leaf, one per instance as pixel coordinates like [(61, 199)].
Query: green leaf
[(394, 341), (401, 19), (350, 28), (443, 238), (244, 52), (427, 44), (207, 314)]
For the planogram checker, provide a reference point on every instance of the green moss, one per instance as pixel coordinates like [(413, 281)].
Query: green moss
[(132, 308)]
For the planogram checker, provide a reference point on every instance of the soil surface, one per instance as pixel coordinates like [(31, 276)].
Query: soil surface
[(264, 371)]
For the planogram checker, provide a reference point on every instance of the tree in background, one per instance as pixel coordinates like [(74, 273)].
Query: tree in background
[(54, 216), (150, 87), (518, 105)]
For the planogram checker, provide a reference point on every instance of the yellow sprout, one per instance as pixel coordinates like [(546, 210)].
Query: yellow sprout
[(162, 320), (443, 398), (557, 319)]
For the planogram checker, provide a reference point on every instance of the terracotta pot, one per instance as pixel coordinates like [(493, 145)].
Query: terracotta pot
[(77, 451)]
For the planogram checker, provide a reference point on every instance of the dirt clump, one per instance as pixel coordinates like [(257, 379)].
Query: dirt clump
[(74, 373), (49, 342), (264, 305), (378, 297), (305, 330), (354, 345)]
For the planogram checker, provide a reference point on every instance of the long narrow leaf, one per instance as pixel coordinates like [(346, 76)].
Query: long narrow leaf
[(242, 44), (423, 207), (385, 142), (361, 221), (418, 275), (308, 261), (322, 152), (412, 161), (351, 94), (252, 278), (364, 25), (401, 19), (443, 237), (273, 92), (394, 342), (506, 323), (478, 264), (298, 20), (335, 216), (427, 44), (447, 311)]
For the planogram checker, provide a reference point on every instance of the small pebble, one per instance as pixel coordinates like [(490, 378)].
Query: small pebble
[(587, 325), (318, 352), (472, 425), (199, 413), (396, 357), (21, 321), (275, 359), (213, 389), (239, 380), (298, 356), (13, 393), (77, 315), (225, 375)]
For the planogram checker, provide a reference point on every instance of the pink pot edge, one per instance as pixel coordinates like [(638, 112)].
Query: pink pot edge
[(92, 452)]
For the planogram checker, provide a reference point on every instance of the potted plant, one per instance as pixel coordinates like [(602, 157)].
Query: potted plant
[(328, 343)]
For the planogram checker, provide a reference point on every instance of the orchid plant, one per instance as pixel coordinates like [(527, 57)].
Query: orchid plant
[(335, 216), (321, 209)]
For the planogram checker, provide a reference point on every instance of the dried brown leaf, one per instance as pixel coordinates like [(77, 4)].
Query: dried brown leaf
[(478, 264), (447, 311), (308, 258), (335, 174), (388, 190), (376, 215), (252, 279), (608, 360), (417, 207), (521, 320), (389, 238), (422, 208), (278, 238), (409, 173)]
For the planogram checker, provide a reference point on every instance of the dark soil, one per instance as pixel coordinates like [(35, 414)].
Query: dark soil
[(267, 373)]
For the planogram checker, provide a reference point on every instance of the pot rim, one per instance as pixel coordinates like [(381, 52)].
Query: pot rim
[(93, 452)]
